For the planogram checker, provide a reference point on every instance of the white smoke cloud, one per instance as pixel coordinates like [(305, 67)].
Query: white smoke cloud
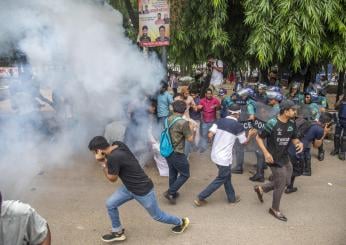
[(78, 49)]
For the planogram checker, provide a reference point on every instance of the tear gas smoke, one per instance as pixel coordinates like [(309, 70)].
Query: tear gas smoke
[(78, 50)]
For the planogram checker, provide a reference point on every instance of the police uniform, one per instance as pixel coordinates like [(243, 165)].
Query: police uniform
[(340, 132), (298, 98), (261, 98), (225, 103), (248, 108)]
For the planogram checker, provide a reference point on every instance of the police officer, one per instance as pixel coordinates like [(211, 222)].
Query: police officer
[(243, 98), (340, 130), (322, 102), (226, 102), (312, 99), (295, 95), (260, 95), (274, 98)]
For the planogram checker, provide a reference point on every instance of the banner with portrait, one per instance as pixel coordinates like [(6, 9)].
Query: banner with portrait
[(154, 19)]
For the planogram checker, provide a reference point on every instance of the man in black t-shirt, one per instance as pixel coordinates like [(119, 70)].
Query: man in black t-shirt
[(279, 132), (118, 161)]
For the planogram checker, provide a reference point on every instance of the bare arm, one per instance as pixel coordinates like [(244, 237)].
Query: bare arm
[(268, 157), (193, 129), (219, 69), (111, 178), (299, 145), (47, 240), (210, 136), (252, 117), (252, 132)]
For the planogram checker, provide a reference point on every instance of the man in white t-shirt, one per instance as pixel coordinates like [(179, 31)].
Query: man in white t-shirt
[(21, 224), (226, 131), (216, 67)]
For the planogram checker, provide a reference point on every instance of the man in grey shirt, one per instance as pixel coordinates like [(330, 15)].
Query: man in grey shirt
[(20, 224)]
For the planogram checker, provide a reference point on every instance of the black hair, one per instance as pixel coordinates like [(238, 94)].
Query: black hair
[(209, 56), (194, 91), (164, 87), (325, 117), (179, 106), (144, 27), (209, 89), (162, 27), (0, 202), (159, 14), (98, 143)]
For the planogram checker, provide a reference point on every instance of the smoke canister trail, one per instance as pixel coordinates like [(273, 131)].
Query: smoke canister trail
[(78, 50)]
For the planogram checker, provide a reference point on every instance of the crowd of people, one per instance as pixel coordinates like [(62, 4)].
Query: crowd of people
[(280, 128)]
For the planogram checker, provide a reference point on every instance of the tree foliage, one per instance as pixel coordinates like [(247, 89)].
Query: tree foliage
[(197, 29), (306, 31), (298, 33)]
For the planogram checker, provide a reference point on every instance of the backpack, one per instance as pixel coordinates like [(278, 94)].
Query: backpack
[(166, 146), (303, 126)]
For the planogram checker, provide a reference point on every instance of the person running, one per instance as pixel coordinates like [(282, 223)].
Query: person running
[(117, 161), (279, 132), (21, 224), (179, 169), (226, 131)]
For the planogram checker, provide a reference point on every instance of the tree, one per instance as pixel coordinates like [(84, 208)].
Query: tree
[(304, 33), (197, 30)]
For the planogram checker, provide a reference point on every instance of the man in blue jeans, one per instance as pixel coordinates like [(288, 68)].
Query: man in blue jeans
[(118, 162), (226, 131), (179, 168)]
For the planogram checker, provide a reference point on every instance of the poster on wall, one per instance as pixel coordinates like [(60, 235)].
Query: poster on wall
[(154, 18)]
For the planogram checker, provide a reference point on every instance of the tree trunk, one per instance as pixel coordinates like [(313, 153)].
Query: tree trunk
[(132, 14), (263, 75), (307, 78), (341, 85)]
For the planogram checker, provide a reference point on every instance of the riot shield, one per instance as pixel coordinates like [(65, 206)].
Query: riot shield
[(244, 115), (304, 111), (263, 114)]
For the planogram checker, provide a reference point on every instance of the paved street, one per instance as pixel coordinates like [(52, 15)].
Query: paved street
[(71, 197)]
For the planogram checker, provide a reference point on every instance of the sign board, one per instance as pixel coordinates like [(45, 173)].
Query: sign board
[(154, 19)]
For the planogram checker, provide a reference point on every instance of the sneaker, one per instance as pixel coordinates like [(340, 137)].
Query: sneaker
[(199, 203), (181, 228), (169, 197), (176, 195), (114, 236)]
